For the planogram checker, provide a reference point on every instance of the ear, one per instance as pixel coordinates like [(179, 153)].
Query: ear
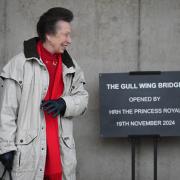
[(48, 37)]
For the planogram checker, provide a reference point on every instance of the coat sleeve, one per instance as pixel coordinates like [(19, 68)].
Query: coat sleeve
[(77, 99), (9, 103)]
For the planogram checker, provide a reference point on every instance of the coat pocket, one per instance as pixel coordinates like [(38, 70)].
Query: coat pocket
[(68, 156), (25, 155), (68, 142)]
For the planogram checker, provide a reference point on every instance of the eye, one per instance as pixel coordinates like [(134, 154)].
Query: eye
[(67, 35)]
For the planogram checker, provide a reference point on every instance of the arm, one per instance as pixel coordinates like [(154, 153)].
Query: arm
[(9, 104), (77, 100)]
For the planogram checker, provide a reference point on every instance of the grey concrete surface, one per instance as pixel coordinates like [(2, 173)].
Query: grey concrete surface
[(105, 39), (160, 33)]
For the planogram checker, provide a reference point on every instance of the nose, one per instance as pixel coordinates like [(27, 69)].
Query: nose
[(69, 40)]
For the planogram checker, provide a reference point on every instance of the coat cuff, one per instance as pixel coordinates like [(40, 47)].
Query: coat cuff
[(69, 105)]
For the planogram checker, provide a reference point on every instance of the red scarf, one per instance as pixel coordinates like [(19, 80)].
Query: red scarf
[(53, 62)]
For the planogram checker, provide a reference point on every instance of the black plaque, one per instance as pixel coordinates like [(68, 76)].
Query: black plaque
[(144, 103)]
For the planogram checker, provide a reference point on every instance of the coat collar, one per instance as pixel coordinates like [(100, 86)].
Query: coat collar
[(30, 52)]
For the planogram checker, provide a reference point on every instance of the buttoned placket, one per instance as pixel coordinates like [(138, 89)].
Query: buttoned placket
[(43, 125)]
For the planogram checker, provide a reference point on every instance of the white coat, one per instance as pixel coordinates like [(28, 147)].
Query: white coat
[(22, 122)]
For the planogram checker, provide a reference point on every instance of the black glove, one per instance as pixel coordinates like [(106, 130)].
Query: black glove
[(55, 107), (7, 160)]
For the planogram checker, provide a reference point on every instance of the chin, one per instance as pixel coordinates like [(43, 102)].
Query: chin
[(62, 51)]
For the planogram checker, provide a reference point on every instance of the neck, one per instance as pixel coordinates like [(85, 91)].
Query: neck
[(48, 47)]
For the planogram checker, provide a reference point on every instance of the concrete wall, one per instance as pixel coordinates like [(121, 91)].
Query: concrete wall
[(105, 39)]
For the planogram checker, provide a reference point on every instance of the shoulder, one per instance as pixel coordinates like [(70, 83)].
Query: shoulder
[(14, 68), (17, 60), (77, 66)]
